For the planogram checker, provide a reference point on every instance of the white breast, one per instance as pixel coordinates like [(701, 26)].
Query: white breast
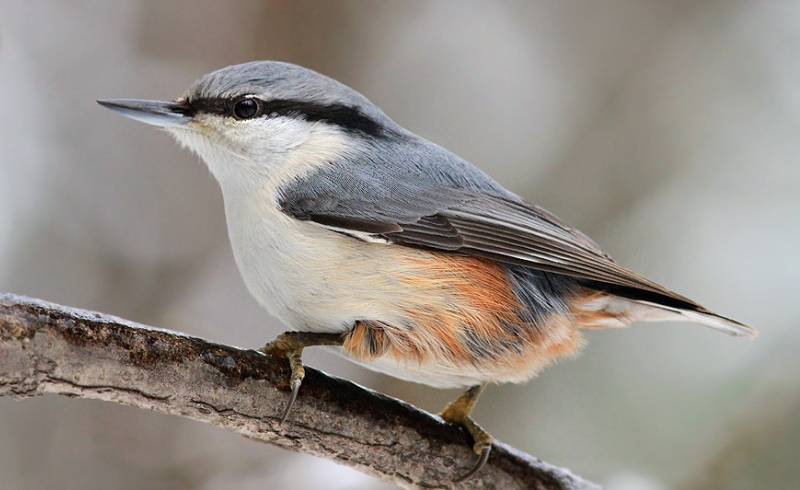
[(312, 278)]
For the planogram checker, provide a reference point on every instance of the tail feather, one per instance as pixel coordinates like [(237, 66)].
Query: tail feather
[(705, 318), (609, 310)]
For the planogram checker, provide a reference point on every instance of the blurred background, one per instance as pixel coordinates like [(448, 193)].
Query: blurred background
[(669, 131)]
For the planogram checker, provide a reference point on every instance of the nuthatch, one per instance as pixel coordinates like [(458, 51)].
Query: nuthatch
[(359, 234)]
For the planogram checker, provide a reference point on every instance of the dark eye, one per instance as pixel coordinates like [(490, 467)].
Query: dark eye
[(246, 108)]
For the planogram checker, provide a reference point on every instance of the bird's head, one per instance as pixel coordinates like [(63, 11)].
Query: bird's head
[(264, 117)]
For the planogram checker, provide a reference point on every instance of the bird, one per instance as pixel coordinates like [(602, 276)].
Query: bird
[(363, 236)]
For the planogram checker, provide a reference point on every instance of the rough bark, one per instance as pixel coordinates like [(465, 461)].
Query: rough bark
[(46, 348)]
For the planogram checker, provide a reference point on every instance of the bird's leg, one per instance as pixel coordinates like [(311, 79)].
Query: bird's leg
[(457, 412), (289, 345)]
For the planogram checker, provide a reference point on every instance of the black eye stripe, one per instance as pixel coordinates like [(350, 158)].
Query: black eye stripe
[(349, 118), (208, 106)]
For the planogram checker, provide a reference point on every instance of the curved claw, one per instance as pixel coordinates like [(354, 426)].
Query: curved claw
[(292, 398), (289, 345), (478, 466)]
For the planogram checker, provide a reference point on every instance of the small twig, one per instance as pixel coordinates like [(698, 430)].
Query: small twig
[(46, 348)]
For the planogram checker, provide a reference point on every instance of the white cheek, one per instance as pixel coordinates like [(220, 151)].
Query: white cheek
[(273, 149), (261, 138)]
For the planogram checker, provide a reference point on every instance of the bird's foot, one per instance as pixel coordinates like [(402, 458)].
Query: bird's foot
[(290, 345), (458, 413)]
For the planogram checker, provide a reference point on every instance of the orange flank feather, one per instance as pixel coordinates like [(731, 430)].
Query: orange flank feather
[(464, 314)]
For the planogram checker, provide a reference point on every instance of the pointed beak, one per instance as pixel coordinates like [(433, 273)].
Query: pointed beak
[(155, 112)]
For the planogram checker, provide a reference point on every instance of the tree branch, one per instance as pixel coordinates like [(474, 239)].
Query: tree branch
[(46, 348)]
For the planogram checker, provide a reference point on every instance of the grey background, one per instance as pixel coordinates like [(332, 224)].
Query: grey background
[(666, 130)]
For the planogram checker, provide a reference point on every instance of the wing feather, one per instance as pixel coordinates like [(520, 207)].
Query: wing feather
[(481, 222)]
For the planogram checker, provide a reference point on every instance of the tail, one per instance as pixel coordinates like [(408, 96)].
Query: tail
[(613, 310), (701, 316)]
